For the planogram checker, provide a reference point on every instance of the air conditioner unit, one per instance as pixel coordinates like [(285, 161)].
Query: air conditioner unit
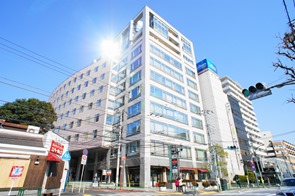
[(33, 129)]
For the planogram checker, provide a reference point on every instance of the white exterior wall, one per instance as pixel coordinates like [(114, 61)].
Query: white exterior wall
[(220, 123)]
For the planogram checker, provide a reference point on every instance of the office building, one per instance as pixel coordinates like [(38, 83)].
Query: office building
[(136, 105), (221, 126)]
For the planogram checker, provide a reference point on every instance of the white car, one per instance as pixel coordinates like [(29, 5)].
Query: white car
[(287, 187)]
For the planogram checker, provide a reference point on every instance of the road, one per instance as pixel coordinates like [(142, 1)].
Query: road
[(244, 192)]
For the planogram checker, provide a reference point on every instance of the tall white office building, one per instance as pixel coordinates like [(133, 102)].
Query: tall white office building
[(219, 117), (234, 90), (143, 102)]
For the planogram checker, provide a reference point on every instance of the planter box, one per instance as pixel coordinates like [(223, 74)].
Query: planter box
[(162, 188)]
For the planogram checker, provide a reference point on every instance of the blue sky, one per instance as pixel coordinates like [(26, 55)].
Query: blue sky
[(239, 37)]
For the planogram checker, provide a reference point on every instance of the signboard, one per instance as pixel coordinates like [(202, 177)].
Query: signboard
[(109, 172), (66, 156), (16, 171), (84, 159), (85, 151), (206, 65), (104, 172), (56, 148)]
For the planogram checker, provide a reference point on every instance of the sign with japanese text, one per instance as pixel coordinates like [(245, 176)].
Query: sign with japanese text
[(16, 171), (84, 159), (56, 148)]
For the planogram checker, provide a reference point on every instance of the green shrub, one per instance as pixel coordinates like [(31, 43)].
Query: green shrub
[(205, 183), (213, 183), (162, 184)]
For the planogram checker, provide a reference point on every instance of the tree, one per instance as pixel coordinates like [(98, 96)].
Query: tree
[(287, 51), (29, 112), (221, 159)]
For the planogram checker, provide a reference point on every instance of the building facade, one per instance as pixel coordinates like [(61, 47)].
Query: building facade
[(251, 143), (221, 126), (130, 110)]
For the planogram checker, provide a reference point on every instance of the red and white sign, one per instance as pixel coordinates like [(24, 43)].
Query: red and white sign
[(16, 171), (56, 148), (84, 159), (109, 172)]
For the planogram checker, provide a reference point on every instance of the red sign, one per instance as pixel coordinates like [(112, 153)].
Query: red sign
[(16, 171), (56, 148)]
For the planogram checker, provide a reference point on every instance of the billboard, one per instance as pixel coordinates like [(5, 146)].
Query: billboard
[(206, 65)]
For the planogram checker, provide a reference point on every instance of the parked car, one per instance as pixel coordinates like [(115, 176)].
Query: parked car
[(287, 187)]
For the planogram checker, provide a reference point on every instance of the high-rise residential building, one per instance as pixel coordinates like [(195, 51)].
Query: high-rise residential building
[(221, 126), (249, 136), (129, 111)]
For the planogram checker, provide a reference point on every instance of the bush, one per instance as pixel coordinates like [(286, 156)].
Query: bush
[(205, 184), (213, 183), (162, 184)]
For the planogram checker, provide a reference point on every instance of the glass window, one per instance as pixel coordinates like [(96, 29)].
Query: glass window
[(109, 120), (88, 72), (96, 69), (81, 108), (135, 78), (90, 106), (185, 153), (79, 87), (136, 52), (81, 76), (98, 103), (133, 128), (102, 76), (96, 118), (119, 102), (100, 89), (79, 122), (86, 84), (71, 124), (137, 63), (195, 109), (199, 138), (197, 123), (77, 137), (92, 92), (190, 72), (132, 148), (134, 93), (74, 111), (186, 46), (159, 149), (77, 98), (134, 110), (159, 26), (94, 80), (193, 96), (192, 84), (201, 155), (95, 133), (84, 96)]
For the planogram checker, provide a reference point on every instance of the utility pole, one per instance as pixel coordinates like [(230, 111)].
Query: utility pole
[(119, 147), (211, 147)]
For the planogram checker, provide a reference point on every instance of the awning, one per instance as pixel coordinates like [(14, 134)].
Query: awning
[(184, 168), (53, 157), (202, 170)]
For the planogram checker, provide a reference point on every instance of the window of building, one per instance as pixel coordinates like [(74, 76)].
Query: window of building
[(67, 113), (193, 96), (96, 68), (65, 126), (81, 76), (136, 51), (169, 130), (94, 80), (74, 111), (201, 155), (192, 84), (90, 105), (67, 93), (95, 133), (168, 113), (134, 93), (159, 148), (81, 109), (190, 72), (109, 119), (132, 148), (96, 118), (79, 87), (199, 138), (77, 98), (88, 72), (166, 69), (186, 46), (195, 109), (71, 124), (167, 97), (135, 78), (73, 90), (86, 84), (197, 123), (98, 103), (77, 137), (92, 93), (75, 79), (79, 122), (68, 138), (159, 26), (133, 128), (111, 104), (102, 76), (185, 153), (52, 169), (119, 102), (100, 89), (167, 82), (137, 63), (70, 101), (134, 110)]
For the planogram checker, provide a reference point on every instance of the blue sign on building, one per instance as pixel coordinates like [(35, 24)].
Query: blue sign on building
[(206, 65)]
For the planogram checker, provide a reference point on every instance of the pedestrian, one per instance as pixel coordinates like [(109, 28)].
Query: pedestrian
[(177, 184), (180, 185)]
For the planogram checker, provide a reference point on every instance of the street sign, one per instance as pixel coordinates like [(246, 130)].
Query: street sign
[(66, 156), (109, 172), (85, 151), (84, 159), (16, 171)]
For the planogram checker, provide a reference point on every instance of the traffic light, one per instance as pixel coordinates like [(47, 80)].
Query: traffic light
[(231, 147), (260, 90)]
